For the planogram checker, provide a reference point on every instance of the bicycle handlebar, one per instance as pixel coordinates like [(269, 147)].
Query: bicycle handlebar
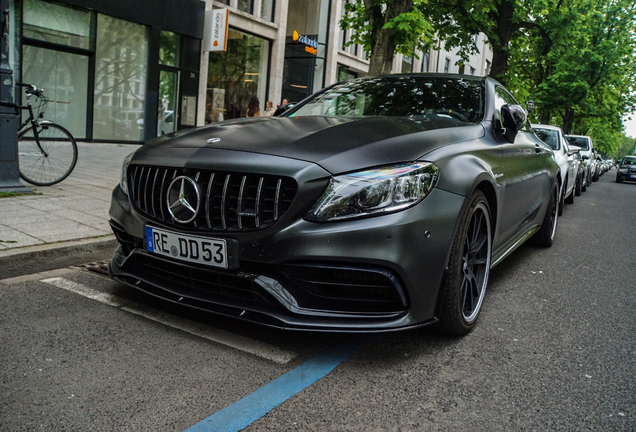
[(31, 89)]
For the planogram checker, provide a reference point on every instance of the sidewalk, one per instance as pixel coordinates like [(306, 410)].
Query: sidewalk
[(75, 210)]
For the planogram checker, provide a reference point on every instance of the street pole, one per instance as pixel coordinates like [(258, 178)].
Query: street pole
[(9, 168)]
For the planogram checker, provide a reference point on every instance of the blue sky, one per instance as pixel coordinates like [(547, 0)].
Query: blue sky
[(630, 126)]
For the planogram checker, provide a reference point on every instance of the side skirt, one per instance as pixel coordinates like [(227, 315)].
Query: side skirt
[(510, 246)]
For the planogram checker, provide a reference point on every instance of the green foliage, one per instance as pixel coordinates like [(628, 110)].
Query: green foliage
[(627, 146), (411, 31), (384, 27)]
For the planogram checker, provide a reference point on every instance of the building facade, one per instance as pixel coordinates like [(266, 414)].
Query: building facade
[(127, 71)]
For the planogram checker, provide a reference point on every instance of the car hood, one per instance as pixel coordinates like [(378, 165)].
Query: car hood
[(337, 144)]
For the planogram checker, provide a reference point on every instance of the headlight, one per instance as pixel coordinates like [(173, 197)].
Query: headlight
[(376, 191), (623, 170), (123, 183)]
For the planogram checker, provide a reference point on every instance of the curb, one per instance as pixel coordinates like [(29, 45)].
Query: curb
[(34, 259)]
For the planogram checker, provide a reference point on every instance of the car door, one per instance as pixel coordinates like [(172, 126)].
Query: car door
[(527, 180), (573, 165)]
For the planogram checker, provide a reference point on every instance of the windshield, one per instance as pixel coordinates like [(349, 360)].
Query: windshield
[(549, 136), (400, 96), (582, 142), (629, 161)]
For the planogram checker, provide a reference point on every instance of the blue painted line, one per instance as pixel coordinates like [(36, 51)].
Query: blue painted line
[(252, 407)]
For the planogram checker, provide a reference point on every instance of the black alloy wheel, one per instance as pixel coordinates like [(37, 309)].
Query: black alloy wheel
[(468, 269), (577, 187)]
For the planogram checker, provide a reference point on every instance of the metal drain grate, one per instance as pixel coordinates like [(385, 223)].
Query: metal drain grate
[(98, 267)]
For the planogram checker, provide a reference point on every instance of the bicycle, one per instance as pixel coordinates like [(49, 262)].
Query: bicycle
[(47, 152)]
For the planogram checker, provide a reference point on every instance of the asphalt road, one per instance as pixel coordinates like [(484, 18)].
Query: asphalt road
[(554, 349)]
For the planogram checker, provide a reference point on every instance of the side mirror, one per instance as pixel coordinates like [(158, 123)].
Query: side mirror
[(585, 157), (513, 118), (284, 108)]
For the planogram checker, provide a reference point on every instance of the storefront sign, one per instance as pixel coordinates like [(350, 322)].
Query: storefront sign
[(311, 46), (215, 30)]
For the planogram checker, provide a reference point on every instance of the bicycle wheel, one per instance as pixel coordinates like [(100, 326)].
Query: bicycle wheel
[(50, 162)]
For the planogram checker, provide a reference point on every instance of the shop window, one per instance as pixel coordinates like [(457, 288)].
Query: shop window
[(121, 59), (57, 23), (234, 76), (66, 88), (305, 49), (169, 47)]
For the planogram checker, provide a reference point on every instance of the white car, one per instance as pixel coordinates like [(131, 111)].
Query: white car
[(568, 162)]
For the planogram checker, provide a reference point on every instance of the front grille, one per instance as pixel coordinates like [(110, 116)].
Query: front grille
[(228, 201)]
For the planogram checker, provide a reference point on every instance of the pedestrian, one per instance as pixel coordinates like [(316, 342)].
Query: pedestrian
[(269, 109), (253, 109)]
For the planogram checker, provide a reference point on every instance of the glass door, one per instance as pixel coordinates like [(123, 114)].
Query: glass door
[(167, 115)]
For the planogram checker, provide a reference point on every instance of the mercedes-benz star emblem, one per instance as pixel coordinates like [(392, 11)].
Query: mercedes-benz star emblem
[(213, 140), (183, 199)]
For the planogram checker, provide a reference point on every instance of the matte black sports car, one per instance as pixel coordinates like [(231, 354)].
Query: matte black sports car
[(376, 204)]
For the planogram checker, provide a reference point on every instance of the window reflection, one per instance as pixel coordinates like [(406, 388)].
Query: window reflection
[(169, 44), (120, 79), (57, 23), (234, 76)]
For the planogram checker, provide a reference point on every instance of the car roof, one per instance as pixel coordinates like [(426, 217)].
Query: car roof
[(542, 126)]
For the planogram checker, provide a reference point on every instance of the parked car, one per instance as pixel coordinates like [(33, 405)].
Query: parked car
[(626, 169), (568, 163), (379, 203), (587, 154)]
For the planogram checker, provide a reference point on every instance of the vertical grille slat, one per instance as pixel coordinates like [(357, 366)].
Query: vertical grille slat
[(153, 192), (224, 201), (208, 201), (239, 204), (257, 204), (162, 194), (229, 201)]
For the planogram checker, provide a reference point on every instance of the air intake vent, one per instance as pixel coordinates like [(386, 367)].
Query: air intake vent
[(222, 201)]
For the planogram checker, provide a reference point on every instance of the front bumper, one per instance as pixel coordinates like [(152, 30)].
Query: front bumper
[(375, 274), (627, 176)]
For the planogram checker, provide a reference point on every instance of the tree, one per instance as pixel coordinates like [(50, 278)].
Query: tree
[(458, 21), (385, 27), (578, 60)]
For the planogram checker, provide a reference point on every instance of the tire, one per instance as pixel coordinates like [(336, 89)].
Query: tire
[(577, 188), (547, 233), (465, 285), (596, 176), (618, 179), (53, 166), (562, 199), (570, 198)]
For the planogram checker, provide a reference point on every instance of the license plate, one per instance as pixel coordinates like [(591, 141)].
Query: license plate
[(193, 249)]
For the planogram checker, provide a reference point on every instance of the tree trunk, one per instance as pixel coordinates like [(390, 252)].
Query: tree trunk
[(383, 40), (382, 53), (544, 118), (568, 120), (501, 41)]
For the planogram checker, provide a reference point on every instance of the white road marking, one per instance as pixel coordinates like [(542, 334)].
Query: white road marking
[(259, 349)]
